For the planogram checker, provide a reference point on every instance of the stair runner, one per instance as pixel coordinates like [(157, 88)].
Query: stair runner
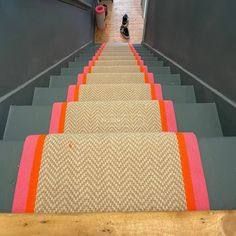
[(112, 146)]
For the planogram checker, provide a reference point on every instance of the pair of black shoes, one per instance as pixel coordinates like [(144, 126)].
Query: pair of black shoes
[(124, 27)]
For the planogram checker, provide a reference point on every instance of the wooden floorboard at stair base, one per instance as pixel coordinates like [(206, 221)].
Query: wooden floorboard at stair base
[(116, 10), (174, 223)]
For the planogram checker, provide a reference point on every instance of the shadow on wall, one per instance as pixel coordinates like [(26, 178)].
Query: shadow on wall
[(200, 36), (34, 36)]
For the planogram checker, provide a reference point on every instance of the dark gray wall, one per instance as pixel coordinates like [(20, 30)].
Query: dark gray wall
[(35, 34), (200, 35)]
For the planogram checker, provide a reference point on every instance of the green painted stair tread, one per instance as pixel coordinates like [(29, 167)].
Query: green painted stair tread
[(72, 71), (159, 70), (219, 162), (10, 156), (204, 119), (61, 81), (78, 64), (143, 50), (48, 96), (26, 120), (167, 79), (217, 155), (179, 94)]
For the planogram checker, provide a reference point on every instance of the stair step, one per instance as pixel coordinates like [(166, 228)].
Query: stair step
[(160, 70), (48, 96), (216, 156), (145, 58), (119, 62), (204, 119), (219, 162), (91, 54), (27, 120), (115, 69), (61, 81), (10, 160)]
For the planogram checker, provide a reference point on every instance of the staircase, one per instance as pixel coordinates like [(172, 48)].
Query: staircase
[(116, 132)]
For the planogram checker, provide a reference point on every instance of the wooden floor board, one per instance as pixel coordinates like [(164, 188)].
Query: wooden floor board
[(166, 223), (114, 19)]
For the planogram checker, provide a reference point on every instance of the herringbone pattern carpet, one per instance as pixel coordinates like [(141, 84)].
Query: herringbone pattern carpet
[(116, 172), (115, 92), (108, 117), (115, 78), (116, 63), (115, 69), (117, 57)]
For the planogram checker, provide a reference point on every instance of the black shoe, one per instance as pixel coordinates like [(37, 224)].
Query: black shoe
[(124, 31), (125, 20)]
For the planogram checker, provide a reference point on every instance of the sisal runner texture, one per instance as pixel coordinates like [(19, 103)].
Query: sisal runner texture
[(116, 63), (115, 69), (114, 78), (72, 173), (114, 92), (113, 117), (115, 57)]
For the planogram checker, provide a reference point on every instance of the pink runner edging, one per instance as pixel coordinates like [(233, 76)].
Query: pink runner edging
[(170, 116), (71, 93), (158, 92), (24, 173), (55, 118), (86, 70), (197, 173), (80, 79), (141, 63), (144, 69), (151, 78)]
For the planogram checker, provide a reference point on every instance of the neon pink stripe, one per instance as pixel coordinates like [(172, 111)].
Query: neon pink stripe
[(55, 118), (197, 173), (144, 69), (151, 78), (158, 92), (86, 69), (24, 173), (90, 63), (139, 58), (100, 9), (141, 63), (170, 116), (80, 79), (94, 61), (71, 93)]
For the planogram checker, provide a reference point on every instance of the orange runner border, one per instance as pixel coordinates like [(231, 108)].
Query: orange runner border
[(186, 173)]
